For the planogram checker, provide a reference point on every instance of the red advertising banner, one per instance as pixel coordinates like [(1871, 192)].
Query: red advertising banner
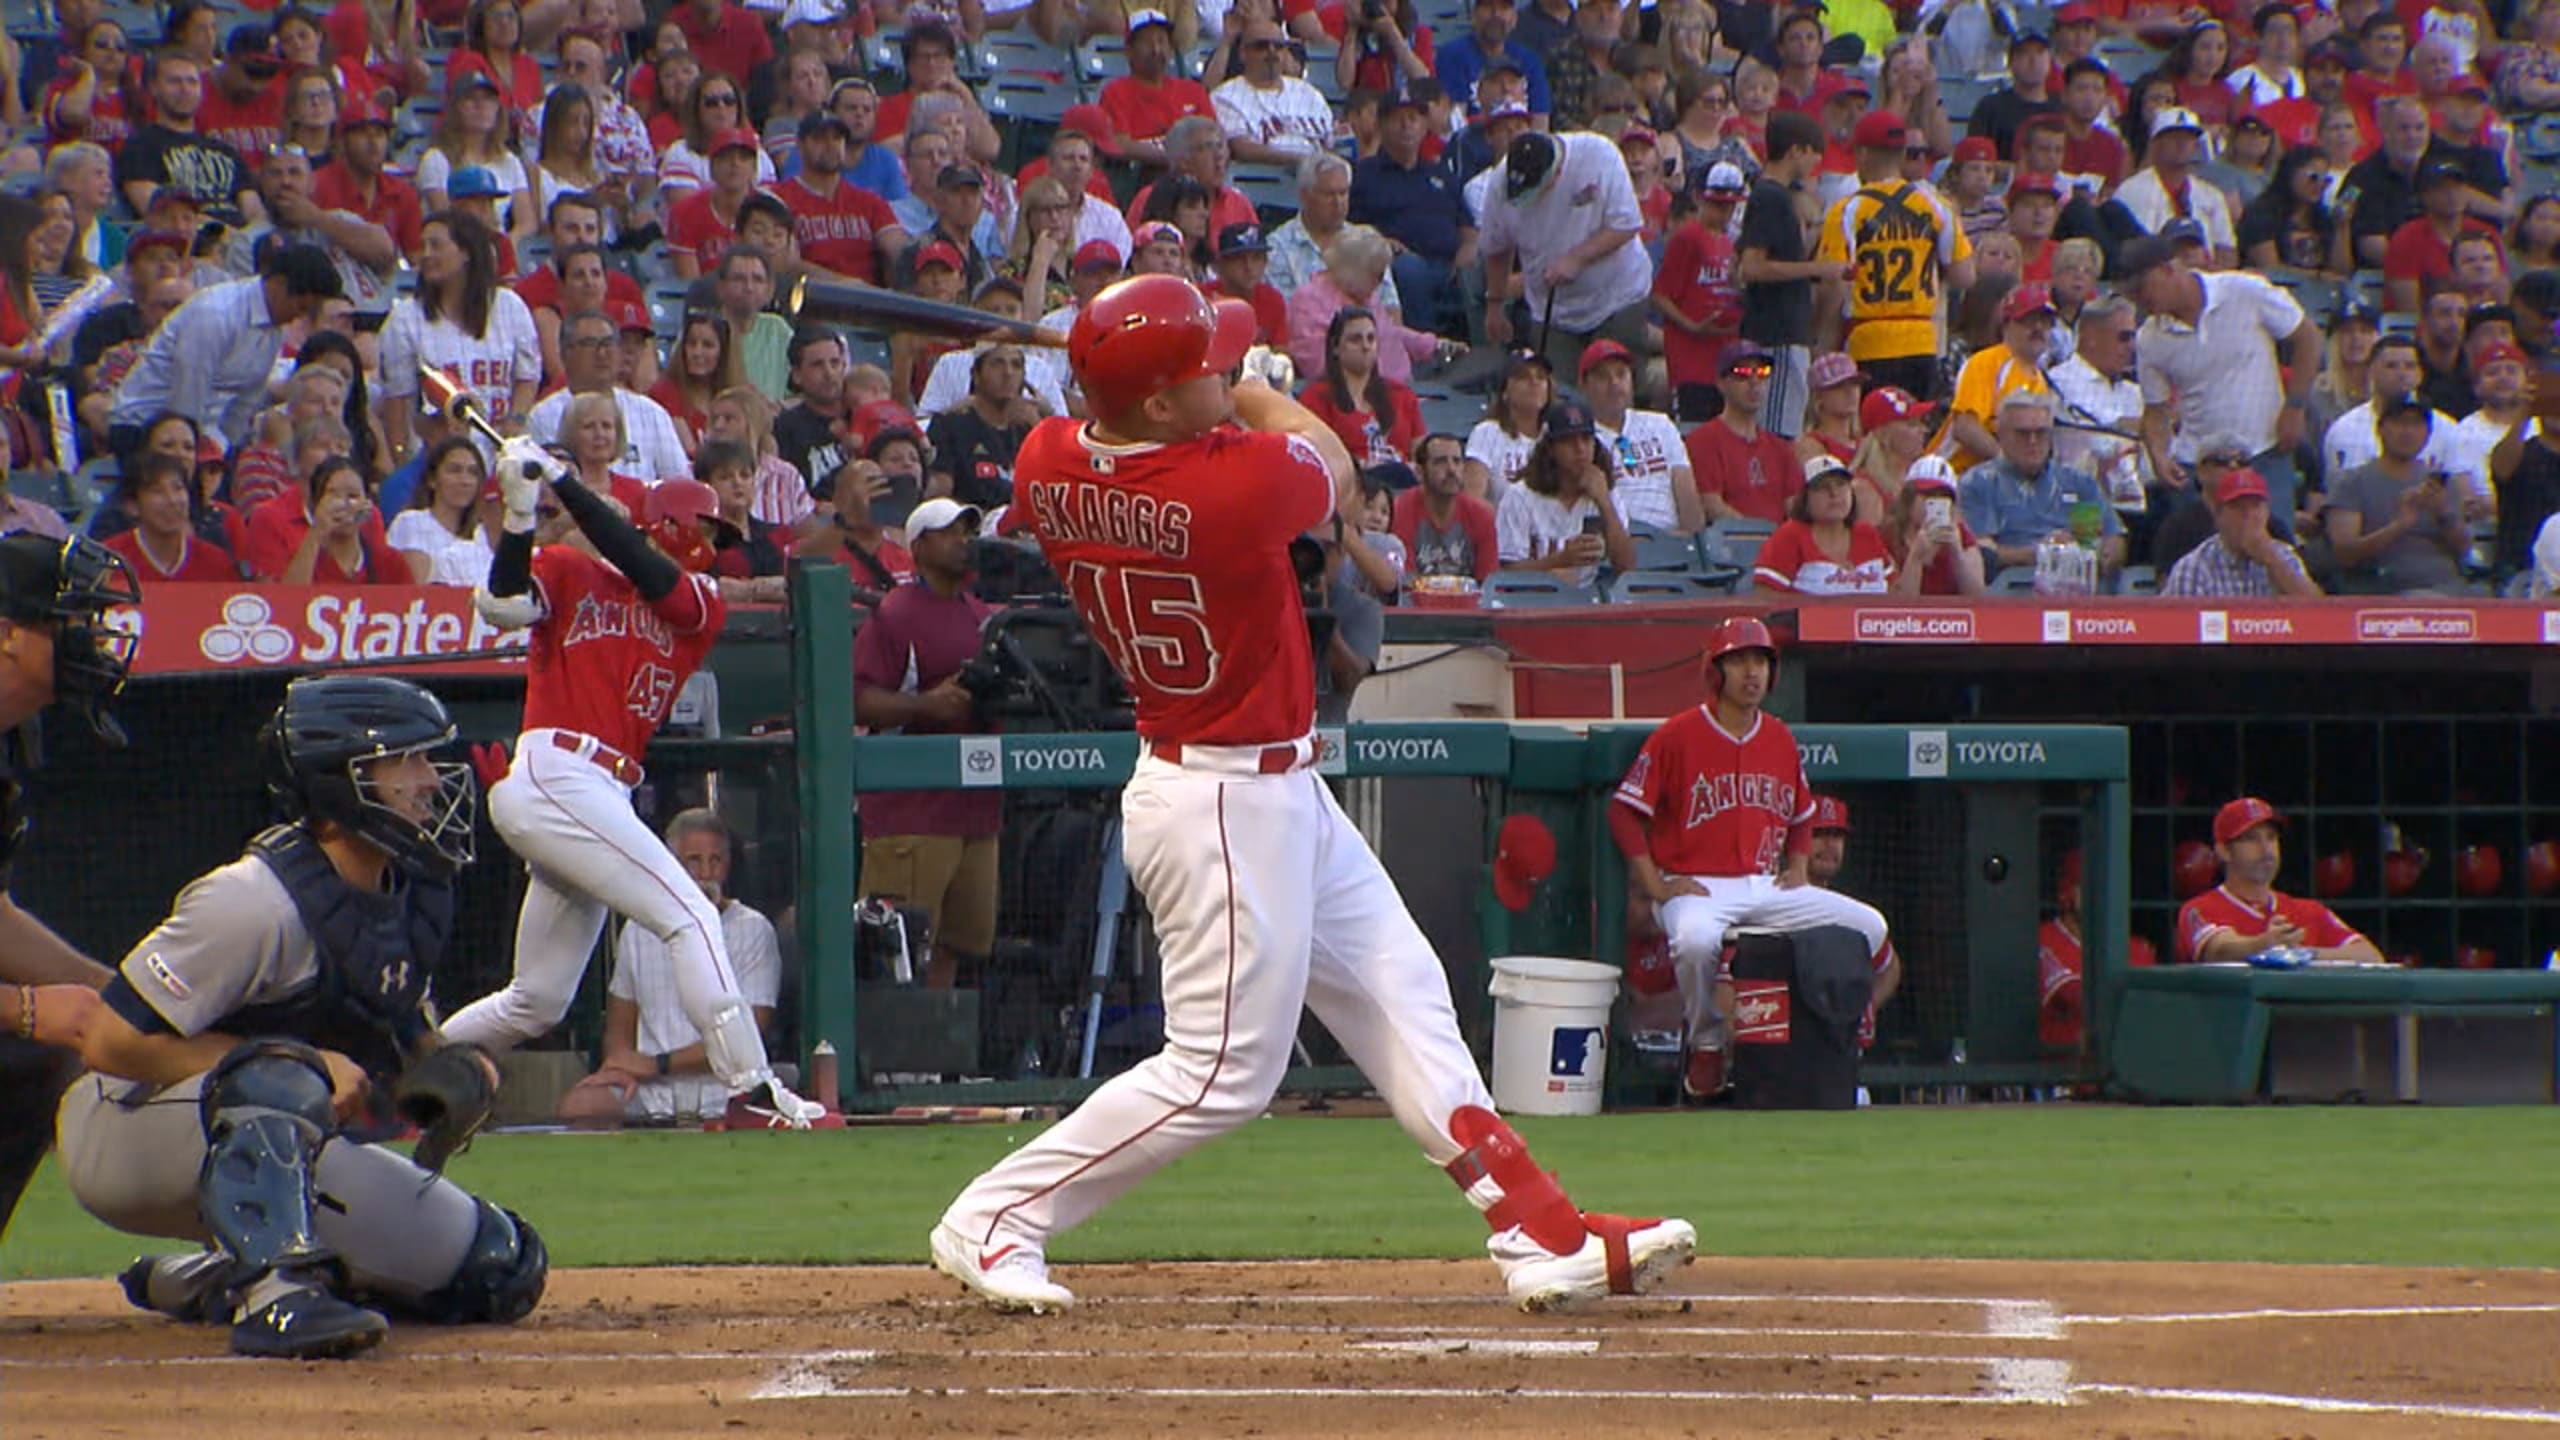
[(2054, 620), (198, 628)]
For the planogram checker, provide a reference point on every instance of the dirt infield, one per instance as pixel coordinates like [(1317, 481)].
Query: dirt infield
[(1766, 1348)]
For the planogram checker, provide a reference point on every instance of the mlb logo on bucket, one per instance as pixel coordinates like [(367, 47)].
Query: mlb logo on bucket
[(1569, 1055)]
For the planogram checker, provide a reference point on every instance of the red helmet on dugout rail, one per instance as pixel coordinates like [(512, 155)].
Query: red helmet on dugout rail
[(677, 509), (1149, 333), (1742, 633)]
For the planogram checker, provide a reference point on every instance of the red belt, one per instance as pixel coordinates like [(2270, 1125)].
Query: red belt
[(611, 761), (1272, 759)]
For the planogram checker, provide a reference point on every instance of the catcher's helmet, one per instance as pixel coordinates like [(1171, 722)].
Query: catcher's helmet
[(1741, 633), (677, 509), (328, 726), (72, 583), (1149, 333)]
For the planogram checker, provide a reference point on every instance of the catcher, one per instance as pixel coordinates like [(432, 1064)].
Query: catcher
[(285, 994)]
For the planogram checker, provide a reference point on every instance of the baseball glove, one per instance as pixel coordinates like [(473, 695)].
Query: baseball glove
[(447, 1095)]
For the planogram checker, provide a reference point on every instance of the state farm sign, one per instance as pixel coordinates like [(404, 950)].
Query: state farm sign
[(182, 628)]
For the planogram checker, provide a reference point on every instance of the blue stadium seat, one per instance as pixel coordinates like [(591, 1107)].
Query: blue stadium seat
[(1657, 551), (2138, 580), (1534, 589), (2014, 580), (1653, 587)]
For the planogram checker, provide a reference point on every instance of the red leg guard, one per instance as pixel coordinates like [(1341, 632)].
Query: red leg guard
[(1531, 1199), (1613, 1231)]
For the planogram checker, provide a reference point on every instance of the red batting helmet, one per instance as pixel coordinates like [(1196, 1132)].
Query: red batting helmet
[(1149, 333), (677, 509), (1742, 633)]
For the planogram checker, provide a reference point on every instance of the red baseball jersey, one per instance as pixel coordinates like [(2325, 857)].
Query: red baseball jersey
[(1177, 557), (248, 126), (840, 229), (2217, 910), (1716, 803), (605, 662), (2058, 968), (694, 228), (1139, 110)]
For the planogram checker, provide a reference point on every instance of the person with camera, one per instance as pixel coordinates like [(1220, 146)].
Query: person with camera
[(930, 850), (1394, 46), (2394, 523)]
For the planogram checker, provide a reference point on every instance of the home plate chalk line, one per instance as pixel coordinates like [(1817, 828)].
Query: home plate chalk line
[(2004, 1380)]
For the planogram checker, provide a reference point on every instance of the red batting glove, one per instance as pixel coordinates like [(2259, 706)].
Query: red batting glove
[(489, 762)]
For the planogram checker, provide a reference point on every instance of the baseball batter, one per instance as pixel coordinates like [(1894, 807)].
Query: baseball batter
[(2246, 915), (615, 635), (1716, 822), (53, 594), (1169, 516), (284, 989)]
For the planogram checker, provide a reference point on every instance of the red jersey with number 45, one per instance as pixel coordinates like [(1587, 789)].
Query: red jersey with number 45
[(1719, 804), (2217, 910), (605, 662), (1177, 557)]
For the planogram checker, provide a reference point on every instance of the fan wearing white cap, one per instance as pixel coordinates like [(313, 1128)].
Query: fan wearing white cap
[(932, 850), (2166, 187), (1934, 552)]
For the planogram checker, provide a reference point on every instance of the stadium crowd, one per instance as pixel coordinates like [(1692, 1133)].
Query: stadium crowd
[(1856, 299)]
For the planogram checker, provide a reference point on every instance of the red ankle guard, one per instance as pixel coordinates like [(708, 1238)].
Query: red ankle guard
[(1531, 1199)]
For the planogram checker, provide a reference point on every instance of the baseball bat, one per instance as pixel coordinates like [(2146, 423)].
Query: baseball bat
[(448, 396), (844, 302)]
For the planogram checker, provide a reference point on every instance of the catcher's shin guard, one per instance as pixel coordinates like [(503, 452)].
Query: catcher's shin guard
[(266, 1111), (1497, 1160)]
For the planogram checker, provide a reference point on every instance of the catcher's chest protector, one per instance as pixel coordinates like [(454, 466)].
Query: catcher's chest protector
[(1797, 1000)]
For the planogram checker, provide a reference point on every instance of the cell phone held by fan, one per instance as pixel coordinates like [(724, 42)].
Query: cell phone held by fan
[(1938, 512)]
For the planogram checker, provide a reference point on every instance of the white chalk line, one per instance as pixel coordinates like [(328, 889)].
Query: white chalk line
[(2352, 1312), (1492, 1300), (2022, 1320), (1397, 1392), (2325, 1404), (1256, 1327)]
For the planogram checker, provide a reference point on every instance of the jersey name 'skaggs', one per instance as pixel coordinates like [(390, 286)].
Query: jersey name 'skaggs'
[(1177, 558), (604, 661), (1715, 803)]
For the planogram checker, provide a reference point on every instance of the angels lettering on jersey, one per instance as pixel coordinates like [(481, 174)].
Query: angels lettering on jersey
[(1713, 795), (597, 618)]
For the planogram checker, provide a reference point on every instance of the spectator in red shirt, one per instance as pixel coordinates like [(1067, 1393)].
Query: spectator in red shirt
[(162, 547), (1643, 154), (2422, 249), (1934, 553), (2198, 62), (2245, 915), (2382, 52), (842, 229), (2089, 148), (335, 534), (92, 99), (1392, 50), (1445, 530), (702, 225), (1144, 104), (704, 364), (1695, 292), (243, 105), (1742, 470), (1378, 420), (1243, 258), (1197, 148), (728, 39), (933, 68)]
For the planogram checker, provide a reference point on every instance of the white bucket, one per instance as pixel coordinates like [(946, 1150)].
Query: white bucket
[(1550, 1034)]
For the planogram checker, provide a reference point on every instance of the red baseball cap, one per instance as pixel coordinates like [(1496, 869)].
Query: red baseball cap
[(940, 252), (2078, 12), (2035, 183), (2028, 300), (464, 69), (2490, 354), (875, 419), (1097, 254), (736, 137), (2239, 484), (630, 315), (1830, 813), (1886, 404), (2233, 820), (1976, 147), (1879, 130), (357, 109), (1600, 352), (1524, 855), (1093, 123)]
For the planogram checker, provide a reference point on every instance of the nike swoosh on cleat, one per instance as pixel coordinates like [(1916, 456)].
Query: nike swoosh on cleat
[(987, 1259)]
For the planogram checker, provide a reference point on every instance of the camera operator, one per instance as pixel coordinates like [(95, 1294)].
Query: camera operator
[(931, 850), (1347, 621)]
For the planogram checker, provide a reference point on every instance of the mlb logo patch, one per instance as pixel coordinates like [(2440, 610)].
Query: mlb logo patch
[(1569, 1055)]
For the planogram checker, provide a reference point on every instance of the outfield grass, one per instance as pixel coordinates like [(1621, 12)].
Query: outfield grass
[(2392, 1186)]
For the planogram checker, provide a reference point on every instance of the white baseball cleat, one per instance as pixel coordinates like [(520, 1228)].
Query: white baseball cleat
[(770, 1097), (1011, 1277), (1619, 1256)]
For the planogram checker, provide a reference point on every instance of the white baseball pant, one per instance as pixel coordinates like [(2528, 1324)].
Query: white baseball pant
[(1696, 925), (1265, 900), (589, 853)]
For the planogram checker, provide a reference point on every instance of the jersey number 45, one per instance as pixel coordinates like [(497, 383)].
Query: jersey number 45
[(1152, 622)]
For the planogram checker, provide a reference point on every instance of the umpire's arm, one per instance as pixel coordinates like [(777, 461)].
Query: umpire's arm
[(31, 954)]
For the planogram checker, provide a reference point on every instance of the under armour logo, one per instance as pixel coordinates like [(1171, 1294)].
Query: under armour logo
[(395, 977), (248, 632)]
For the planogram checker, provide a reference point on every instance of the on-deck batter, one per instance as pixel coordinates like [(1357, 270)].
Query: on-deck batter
[(1716, 822), (613, 640), (1169, 517)]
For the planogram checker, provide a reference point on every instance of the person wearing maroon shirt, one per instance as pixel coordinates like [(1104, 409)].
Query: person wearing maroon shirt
[(2088, 146), (1243, 258), (1462, 537), (355, 181), (1802, 82), (243, 103), (842, 229), (2382, 53), (728, 39), (1143, 104), (1742, 470), (704, 224), (163, 547), (574, 220)]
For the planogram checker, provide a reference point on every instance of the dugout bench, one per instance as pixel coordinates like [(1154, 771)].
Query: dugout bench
[(2227, 1034)]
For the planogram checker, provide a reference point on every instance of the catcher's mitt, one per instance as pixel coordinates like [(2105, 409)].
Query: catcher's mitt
[(447, 1095)]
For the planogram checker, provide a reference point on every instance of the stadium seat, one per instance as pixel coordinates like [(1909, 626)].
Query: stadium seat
[(2014, 580), (1656, 551), (1534, 589), (2138, 580), (1647, 587)]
